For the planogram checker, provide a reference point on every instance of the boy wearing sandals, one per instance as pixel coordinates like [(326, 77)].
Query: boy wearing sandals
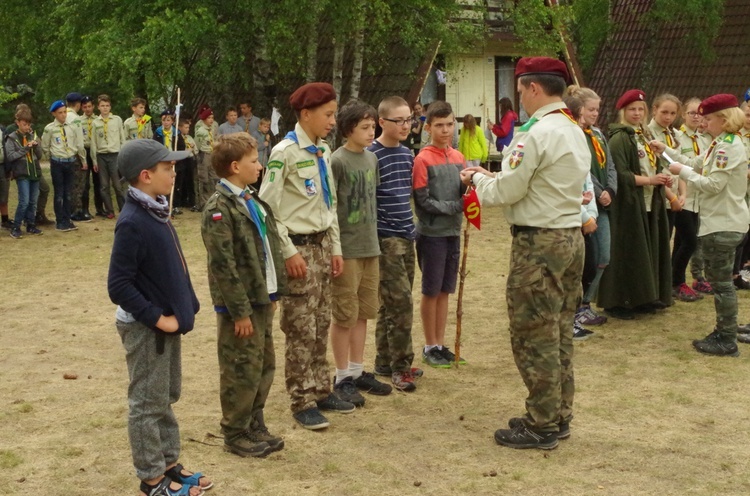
[(246, 273), (149, 281)]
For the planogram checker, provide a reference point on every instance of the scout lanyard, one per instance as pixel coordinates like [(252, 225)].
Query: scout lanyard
[(318, 152), (600, 156), (647, 147)]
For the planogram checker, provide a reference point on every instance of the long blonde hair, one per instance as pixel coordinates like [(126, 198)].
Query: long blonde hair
[(470, 124), (734, 119)]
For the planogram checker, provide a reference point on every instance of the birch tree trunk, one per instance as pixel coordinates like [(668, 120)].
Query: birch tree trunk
[(338, 67), (312, 59), (359, 52)]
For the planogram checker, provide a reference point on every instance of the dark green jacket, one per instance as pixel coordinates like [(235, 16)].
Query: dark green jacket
[(236, 265), (639, 271)]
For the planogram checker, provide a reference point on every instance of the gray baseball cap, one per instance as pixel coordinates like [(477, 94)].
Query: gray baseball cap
[(142, 154)]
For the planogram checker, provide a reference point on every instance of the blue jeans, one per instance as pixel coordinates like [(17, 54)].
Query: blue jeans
[(28, 193), (63, 177)]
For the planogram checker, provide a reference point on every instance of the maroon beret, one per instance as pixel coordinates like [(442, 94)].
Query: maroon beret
[(717, 102), (312, 95), (629, 97), (205, 113), (542, 65)]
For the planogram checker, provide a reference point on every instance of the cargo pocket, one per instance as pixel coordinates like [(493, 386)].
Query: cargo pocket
[(528, 301)]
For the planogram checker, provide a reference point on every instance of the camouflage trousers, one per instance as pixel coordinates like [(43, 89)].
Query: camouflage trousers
[(718, 257), (393, 330), (246, 368), (207, 179), (305, 319), (543, 291), (696, 261), (79, 182)]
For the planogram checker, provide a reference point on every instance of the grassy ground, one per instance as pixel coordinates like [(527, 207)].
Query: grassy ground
[(652, 416)]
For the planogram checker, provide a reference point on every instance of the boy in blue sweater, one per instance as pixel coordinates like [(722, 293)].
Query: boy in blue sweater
[(149, 281)]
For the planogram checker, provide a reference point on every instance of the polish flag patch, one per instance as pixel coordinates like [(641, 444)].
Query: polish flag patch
[(216, 216)]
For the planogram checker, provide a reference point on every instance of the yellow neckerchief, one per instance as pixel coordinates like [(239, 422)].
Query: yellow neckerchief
[(25, 142), (188, 146), (247, 124), (167, 138), (63, 136), (210, 137), (668, 138), (104, 127), (745, 134), (601, 158), (142, 123), (694, 138), (646, 146), (89, 122)]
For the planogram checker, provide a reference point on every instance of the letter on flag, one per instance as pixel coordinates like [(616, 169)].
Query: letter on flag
[(472, 210)]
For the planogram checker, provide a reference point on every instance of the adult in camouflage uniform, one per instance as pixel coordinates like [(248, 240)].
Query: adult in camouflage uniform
[(540, 188), (246, 274), (73, 102), (299, 189)]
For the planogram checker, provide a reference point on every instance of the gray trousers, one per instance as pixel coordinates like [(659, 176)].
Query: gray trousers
[(108, 173), (155, 383)]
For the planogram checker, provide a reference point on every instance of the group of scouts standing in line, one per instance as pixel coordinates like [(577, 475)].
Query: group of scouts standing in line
[(330, 237)]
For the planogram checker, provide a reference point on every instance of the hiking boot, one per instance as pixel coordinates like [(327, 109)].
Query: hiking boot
[(564, 432), (15, 233), (713, 344), (580, 333), (620, 313), (523, 437), (346, 390), (451, 357), (243, 444), (702, 286), (333, 403), (367, 383), (684, 293), (383, 370), (403, 381), (311, 419), (33, 230), (258, 432), (435, 359), (585, 315)]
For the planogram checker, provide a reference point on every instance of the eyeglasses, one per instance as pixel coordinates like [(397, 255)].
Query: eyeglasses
[(398, 122), (692, 114)]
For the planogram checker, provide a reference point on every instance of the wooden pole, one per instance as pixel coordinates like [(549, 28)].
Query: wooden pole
[(174, 143), (459, 302)]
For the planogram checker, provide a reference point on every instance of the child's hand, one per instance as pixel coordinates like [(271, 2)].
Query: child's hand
[(587, 197), (243, 328), (168, 323), (296, 266), (337, 265)]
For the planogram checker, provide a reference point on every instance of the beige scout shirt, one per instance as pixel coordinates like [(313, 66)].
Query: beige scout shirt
[(645, 162), (204, 139), (214, 127), (692, 144), (292, 188), (190, 144), (134, 130), (670, 138), (543, 173), (87, 127), (75, 121), (722, 184), (62, 141), (108, 136)]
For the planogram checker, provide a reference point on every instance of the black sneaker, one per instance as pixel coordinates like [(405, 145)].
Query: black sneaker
[(333, 403), (580, 333), (435, 359), (311, 419), (78, 217), (743, 337), (740, 283), (523, 437), (86, 217), (7, 225), (15, 233), (367, 383), (33, 230), (346, 390), (563, 433), (63, 228), (99, 213), (383, 370), (450, 356), (714, 345), (72, 227)]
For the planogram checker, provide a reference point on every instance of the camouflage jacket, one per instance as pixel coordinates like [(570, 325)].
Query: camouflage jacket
[(236, 265)]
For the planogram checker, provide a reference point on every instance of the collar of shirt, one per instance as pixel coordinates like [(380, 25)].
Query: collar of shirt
[(550, 107), (303, 139), (231, 187)]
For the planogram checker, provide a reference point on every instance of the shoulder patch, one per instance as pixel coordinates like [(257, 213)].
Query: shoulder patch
[(275, 164), (729, 138), (305, 163), (516, 157), (721, 159)]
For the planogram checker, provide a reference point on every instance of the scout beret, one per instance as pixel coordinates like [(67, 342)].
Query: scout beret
[(629, 97), (73, 97), (86, 99), (312, 95), (141, 154), (717, 102), (205, 112), (169, 112), (542, 65), (747, 95), (56, 105)]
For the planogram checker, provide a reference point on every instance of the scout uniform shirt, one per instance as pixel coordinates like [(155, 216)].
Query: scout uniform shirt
[(87, 127), (669, 137), (204, 139), (214, 127), (108, 136), (692, 144), (723, 185), (648, 163), (543, 172), (62, 141), (190, 145), (292, 188), (137, 128), (75, 121)]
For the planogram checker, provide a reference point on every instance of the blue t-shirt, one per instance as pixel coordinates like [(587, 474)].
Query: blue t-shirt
[(395, 216)]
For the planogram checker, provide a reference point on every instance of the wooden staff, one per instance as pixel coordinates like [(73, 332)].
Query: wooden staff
[(174, 143), (459, 303)]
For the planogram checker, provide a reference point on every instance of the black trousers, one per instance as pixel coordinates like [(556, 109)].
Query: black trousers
[(685, 242)]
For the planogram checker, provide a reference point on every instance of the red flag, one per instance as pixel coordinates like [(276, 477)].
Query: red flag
[(472, 210)]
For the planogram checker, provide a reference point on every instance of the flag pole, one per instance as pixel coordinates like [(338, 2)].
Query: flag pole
[(174, 143), (460, 300)]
